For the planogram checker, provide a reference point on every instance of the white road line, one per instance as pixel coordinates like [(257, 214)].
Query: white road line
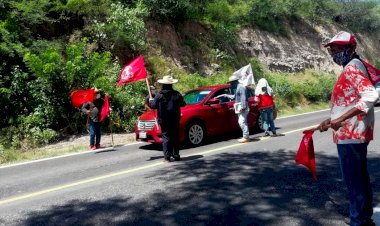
[(307, 113), (63, 156)]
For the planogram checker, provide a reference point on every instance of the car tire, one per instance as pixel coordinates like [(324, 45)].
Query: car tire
[(259, 124), (195, 133)]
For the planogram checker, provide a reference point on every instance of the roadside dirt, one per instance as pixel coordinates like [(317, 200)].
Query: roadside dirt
[(84, 140)]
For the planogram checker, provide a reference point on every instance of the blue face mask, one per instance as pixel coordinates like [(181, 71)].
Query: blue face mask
[(341, 58)]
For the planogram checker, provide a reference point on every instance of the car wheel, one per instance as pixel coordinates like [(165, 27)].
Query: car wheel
[(195, 133), (260, 123)]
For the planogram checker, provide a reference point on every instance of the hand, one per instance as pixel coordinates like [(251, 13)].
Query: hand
[(324, 125), (88, 112), (336, 124), (231, 96)]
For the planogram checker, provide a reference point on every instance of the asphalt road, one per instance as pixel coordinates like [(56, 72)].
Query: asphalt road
[(220, 183)]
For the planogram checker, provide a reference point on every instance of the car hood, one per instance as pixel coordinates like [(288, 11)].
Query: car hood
[(151, 115)]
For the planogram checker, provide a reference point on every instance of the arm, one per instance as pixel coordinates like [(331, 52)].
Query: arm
[(146, 104), (243, 98), (86, 108), (153, 103)]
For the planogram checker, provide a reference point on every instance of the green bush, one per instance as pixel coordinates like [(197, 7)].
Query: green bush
[(168, 9), (124, 27)]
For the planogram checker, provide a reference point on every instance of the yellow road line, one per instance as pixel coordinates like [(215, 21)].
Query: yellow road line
[(86, 181)]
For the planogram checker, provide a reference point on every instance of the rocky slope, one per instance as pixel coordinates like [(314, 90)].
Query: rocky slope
[(300, 49)]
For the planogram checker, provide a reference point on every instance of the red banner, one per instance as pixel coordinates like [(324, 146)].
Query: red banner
[(105, 109), (133, 72), (305, 154), (79, 97)]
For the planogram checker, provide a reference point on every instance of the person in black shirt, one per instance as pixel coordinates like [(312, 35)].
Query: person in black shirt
[(168, 103)]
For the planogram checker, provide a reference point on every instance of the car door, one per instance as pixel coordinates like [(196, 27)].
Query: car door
[(253, 111), (233, 123), (218, 114)]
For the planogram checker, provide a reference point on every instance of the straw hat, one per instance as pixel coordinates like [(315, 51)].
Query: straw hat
[(167, 79), (96, 90), (233, 78)]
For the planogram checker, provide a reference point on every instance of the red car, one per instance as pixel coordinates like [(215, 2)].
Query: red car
[(205, 115)]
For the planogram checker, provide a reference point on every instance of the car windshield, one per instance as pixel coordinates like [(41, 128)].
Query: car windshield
[(195, 96)]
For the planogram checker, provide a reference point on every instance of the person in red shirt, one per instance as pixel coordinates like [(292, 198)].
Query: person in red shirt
[(266, 107), (352, 119)]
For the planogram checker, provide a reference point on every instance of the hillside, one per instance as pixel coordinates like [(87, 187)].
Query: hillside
[(299, 50)]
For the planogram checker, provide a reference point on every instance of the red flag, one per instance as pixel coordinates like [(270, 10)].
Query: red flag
[(79, 97), (305, 154), (133, 72), (105, 109)]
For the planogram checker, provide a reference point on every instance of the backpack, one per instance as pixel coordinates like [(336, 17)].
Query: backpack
[(374, 73)]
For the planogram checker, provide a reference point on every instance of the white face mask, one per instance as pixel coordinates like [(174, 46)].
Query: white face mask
[(97, 96)]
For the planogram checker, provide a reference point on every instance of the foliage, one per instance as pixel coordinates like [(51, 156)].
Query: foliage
[(123, 27), (169, 9), (359, 15)]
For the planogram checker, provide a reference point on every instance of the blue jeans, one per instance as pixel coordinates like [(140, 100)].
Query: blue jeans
[(353, 164), (94, 133), (267, 117), (243, 123)]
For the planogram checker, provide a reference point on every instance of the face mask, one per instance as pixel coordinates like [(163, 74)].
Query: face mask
[(97, 96), (341, 58)]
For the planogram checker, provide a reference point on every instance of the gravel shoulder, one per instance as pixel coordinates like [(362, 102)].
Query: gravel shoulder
[(83, 141)]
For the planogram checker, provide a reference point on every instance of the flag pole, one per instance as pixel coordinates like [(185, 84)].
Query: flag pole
[(150, 96), (147, 84), (111, 124)]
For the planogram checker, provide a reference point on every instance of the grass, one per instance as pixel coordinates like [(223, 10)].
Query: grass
[(303, 109), (12, 156)]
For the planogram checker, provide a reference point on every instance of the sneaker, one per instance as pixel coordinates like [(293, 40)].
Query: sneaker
[(244, 140), (92, 147), (98, 146), (266, 134), (166, 160)]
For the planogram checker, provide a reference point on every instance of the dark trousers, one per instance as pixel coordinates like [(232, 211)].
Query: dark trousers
[(170, 139), (94, 133), (353, 164)]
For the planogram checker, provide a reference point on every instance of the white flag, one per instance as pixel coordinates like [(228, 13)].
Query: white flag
[(245, 75)]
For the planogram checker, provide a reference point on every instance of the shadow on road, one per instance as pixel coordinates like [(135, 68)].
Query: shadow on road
[(210, 140), (260, 188)]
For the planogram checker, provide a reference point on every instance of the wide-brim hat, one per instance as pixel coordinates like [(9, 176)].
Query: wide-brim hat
[(233, 78), (342, 38), (167, 79), (96, 90)]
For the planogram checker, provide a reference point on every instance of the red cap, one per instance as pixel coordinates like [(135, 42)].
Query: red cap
[(342, 38)]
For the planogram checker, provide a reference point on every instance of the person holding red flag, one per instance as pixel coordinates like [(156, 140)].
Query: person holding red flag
[(352, 120), (168, 103), (93, 111)]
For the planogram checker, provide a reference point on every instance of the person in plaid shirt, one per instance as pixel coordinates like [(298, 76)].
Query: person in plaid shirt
[(352, 121)]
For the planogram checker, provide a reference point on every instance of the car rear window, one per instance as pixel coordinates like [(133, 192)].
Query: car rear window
[(195, 96)]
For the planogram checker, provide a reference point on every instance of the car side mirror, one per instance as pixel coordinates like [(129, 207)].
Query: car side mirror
[(213, 101)]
